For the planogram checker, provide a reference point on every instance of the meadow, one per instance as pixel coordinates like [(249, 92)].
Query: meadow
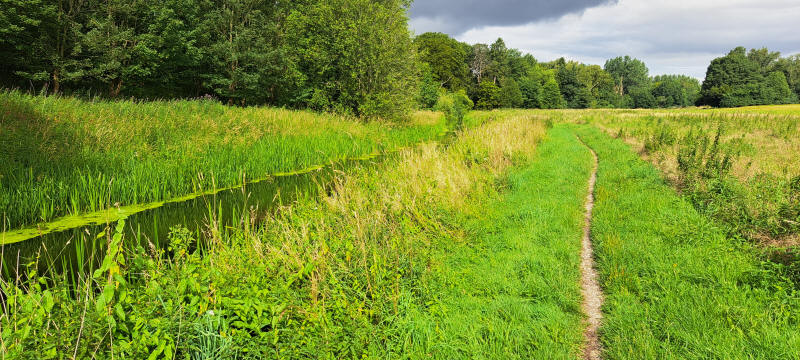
[(463, 248), (739, 166), (65, 156)]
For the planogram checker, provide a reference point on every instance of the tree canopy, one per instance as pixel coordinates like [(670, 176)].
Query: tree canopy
[(744, 78), (353, 56), (348, 56)]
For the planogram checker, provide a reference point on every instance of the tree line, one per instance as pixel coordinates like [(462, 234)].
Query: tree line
[(496, 76), (347, 56)]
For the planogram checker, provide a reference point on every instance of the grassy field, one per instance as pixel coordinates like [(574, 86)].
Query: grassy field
[(68, 156), (741, 166), (676, 286), (464, 249)]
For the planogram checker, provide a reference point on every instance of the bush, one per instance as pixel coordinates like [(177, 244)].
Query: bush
[(454, 106)]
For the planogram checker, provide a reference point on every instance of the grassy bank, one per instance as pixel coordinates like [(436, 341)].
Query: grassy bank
[(676, 286), (66, 156), (362, 272)]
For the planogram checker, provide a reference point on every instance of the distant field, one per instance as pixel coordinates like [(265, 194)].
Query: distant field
[(791, 110)]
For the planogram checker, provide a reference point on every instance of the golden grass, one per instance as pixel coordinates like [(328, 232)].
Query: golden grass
[(768, 137), (367, 209)]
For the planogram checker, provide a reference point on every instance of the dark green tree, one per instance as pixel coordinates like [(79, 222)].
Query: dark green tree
[(775, 90), (790, 67), (447, 58), (428, 89), (739, 79), (41, 41), (245, 62), (675, 90), (531, 86), (628, 74), (357, 54), (488, 96), (499, 61), (550, 95), (600, 85), (765, 60), (510, 94), (122, 49), (576, 95)]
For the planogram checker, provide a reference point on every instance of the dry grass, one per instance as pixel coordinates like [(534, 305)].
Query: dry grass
[(768, 141)]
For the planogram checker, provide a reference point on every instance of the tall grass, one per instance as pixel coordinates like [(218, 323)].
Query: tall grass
[(62, 156), (736, 166), (328, 277)]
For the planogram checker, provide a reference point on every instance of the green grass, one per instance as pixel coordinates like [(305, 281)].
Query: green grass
[(333, 277), (741, 168), (513, 291), (676, 287), (464, 251), (61, 156)]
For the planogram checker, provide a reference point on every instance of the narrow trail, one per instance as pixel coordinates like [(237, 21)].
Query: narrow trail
[(590, 287)]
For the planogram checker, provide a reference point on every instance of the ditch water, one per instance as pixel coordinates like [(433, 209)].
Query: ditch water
[(77, 244)]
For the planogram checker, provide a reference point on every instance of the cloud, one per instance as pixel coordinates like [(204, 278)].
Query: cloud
[(678, 36), (456, 16)]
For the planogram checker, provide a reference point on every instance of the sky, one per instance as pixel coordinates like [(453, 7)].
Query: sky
[(670, 36)]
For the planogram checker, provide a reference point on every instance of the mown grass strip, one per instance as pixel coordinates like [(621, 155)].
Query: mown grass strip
[(514, 293), (675, 286)]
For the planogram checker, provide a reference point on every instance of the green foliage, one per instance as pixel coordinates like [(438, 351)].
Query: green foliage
[(744, 79), (510, 94), (599, 84), (550, 97), (249, 67), (454, 106), (244, 52), (530, 88), (488, 96), (428, 89), (675, 90), (447, 58), (640, 98), (575, 93), (776, 90), (790, 66), (629, 74), (375, 73)]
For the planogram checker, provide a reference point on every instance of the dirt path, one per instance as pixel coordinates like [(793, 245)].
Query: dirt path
[(592, 294)]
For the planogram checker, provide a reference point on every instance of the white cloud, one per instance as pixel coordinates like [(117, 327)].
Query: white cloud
[(679, 36)]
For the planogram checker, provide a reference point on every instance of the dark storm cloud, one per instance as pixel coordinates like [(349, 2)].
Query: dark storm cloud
[(457, 16)]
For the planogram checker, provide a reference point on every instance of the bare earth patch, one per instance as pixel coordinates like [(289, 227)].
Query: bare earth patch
[(590, 287)]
